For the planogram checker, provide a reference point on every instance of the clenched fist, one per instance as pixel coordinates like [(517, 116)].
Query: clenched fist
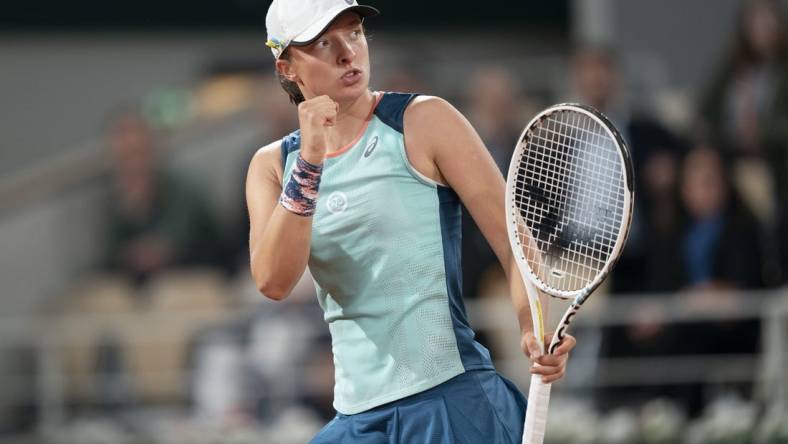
[(317, 117)]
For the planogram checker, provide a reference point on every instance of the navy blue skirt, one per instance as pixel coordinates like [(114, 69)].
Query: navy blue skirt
[(475, 407)]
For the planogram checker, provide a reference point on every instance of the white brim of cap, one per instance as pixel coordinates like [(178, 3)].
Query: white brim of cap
[(317, 28)]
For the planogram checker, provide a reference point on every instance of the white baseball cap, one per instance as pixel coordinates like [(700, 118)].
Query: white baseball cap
[(300, 22)]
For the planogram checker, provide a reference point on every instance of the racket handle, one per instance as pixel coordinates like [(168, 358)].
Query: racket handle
[(536, 414)]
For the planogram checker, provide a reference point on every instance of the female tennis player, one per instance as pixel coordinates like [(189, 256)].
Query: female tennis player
[(367, 193)]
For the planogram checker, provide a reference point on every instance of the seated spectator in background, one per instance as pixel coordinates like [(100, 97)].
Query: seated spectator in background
[(597, 82), (155, 219), (721, 248), (663, 217), (721, 245)]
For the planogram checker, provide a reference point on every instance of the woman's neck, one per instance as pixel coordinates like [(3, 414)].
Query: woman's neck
[(352, 117)]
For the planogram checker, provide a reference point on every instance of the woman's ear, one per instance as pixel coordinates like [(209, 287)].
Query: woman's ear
[(285, 69)]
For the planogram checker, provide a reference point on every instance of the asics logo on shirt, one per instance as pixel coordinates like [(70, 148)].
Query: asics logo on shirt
[(371, 147)]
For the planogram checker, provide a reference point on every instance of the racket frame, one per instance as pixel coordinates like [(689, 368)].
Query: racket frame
[(539, 394)]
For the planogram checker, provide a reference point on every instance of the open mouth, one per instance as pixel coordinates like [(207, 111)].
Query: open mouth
[(352, 76)]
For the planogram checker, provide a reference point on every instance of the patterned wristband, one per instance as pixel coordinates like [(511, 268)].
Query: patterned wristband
[(300, 194)]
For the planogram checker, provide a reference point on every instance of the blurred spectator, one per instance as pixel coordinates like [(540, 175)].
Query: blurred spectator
[(720, 249), (664, 218), (746, 106), (720, 245), (747, 101), (156, 219), (654, 150)]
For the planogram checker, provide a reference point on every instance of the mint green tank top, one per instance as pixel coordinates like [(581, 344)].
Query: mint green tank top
[(385, 257)]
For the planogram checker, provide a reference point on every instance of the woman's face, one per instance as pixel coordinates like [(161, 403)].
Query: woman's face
[(336, 64)]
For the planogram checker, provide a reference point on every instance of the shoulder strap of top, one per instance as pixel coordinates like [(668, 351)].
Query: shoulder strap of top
[(290, 143), (391, 109)]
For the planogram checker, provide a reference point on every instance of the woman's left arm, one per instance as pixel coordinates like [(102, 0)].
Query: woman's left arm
[(443, 145)]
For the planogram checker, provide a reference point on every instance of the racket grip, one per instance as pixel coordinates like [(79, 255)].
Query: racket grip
[(536, 414)]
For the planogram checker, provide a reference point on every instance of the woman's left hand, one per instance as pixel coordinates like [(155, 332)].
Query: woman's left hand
[(551, 367)]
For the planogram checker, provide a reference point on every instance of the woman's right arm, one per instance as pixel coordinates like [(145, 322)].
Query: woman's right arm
[(278, 239)]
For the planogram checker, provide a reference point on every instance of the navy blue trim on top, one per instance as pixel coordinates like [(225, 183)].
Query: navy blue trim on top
[(391, 109), (473, 355), (290, 143)]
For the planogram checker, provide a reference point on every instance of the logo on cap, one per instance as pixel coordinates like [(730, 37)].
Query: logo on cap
[(277, 45)]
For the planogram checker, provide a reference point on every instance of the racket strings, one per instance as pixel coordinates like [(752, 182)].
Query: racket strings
[(594, 182), (569, 192), (566, 138)]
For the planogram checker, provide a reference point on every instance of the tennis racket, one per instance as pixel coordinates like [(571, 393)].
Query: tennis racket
[(569, 196)]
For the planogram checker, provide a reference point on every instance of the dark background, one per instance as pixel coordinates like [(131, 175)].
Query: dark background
[(212, 14)]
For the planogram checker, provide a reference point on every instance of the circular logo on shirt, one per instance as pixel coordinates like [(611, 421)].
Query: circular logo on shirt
[(337, 202)]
